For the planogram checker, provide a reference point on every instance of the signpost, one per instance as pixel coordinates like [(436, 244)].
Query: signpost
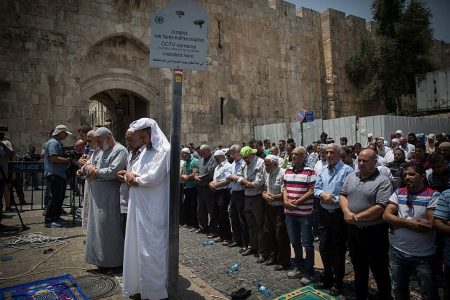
[(179, 39), (309, 116)]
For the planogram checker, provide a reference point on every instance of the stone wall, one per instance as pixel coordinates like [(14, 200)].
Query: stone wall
[(265, 60)]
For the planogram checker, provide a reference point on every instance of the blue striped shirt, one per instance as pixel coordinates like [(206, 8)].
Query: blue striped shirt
[(442, 212)]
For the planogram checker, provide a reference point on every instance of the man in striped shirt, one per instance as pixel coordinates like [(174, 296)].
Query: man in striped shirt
[(298, 200), (410, 212)]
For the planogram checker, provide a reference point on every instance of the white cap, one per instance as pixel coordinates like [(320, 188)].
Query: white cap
[(219, 153), (185, 150), (273, 158), (399, 132), (102, 131), (370, 135)]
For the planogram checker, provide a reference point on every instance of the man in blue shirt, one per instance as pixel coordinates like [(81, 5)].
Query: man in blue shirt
[(55, 165), (332, 227)]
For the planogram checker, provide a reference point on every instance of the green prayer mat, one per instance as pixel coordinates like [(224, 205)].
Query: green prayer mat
[(305, 293)]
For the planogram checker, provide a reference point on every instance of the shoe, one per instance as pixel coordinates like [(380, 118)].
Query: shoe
[(261, 259), (241, 293), (200, 231), (294, 274), (233, 244), (280, 268), (212, 236), (334, 291), (242, 250), (216, 239), (225, 242), (63, 212), (316, 239), (249, 251), (269, 262), (322, 286), (306, 280)]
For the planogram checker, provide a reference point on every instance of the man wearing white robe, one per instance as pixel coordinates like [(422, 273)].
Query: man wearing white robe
[(104, 239), (145, 265)]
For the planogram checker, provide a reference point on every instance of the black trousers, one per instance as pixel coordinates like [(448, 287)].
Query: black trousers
[(57, 188), (123, 223), (333, 245), (223, 200), (254, 213), (207, 207), (276, 236), (369, 248), (238, 220), (189, 206)]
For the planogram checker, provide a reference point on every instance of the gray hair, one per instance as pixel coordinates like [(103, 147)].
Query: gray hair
[(205, 147), (336, 147), (235, 147), (301, 149)]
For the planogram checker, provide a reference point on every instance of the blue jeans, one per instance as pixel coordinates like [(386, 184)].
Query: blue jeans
[(403, 265), (300, 234)]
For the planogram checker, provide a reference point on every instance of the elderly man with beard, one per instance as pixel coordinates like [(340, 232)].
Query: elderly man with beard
[(410, 212), (274, 222), (135, 147), (104, 239), (145, 264), (363, 199)]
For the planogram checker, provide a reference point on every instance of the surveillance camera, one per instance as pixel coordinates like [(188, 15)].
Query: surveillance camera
[(199, 23)]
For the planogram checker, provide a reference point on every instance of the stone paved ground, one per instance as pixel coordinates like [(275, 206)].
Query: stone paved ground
[(67, 256), (211, 262), (202, 269)]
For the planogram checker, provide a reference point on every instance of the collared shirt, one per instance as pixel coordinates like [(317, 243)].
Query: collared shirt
[(53, 147), (236, 168), (254, 172), (188, 166), (220, 173), (365, 193), (274, 184), (296, 184), (443, 212), (410, 241), (331, 180), (206, 170), (312, 159)]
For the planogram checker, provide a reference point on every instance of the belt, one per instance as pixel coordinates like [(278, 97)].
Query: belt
[(240, 191), (253, 196), (330, 211)]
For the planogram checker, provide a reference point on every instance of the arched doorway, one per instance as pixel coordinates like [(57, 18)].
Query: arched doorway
[(117, 84), (116, 109)]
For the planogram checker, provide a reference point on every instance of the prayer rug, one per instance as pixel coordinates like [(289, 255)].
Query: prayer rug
[(62, 287), (305, 293)]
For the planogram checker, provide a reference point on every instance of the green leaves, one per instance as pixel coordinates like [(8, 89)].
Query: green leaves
[(386, 63)]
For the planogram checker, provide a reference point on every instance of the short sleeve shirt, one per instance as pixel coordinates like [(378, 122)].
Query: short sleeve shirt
[(407, 240), (188, 166), (365, 193), (296, 184), (53, 147)]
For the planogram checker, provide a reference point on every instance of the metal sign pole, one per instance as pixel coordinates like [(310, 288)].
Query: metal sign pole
[(174, 212)]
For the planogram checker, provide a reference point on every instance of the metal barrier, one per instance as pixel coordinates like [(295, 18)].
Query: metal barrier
[(30, 186)]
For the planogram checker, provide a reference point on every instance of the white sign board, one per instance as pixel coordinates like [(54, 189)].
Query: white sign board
[(179, 36)]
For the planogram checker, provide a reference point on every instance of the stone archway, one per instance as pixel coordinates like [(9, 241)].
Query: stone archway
[(115, 73), (116, 109)]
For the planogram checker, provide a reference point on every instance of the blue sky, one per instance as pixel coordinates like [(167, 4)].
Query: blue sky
[(362, 8)]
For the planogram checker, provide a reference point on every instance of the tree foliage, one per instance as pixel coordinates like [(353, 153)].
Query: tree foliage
[(386, 63)]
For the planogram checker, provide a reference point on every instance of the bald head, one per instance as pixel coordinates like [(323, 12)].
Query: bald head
[(367, 162)]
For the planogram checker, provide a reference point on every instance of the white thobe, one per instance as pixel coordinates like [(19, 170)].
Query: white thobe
[(145, 266)]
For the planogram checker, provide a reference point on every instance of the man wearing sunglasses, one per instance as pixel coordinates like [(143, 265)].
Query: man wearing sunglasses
[(410, 212)]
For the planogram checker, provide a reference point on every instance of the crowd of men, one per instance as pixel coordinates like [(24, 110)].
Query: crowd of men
[(387, 203)]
